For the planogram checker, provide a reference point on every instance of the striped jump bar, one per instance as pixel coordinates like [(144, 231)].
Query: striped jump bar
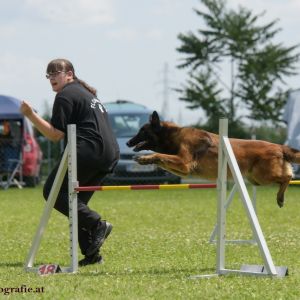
[(146, 187), (294, 182)]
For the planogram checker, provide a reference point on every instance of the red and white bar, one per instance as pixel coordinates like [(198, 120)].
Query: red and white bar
[(146, 187)]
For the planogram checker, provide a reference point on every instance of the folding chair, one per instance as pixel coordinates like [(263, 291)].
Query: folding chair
[(11, 163)]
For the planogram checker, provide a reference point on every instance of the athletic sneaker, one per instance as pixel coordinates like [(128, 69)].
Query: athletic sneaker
[(99, 233), (90, 260)]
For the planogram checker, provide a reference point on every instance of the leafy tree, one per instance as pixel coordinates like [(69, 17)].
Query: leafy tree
[(257, 66)]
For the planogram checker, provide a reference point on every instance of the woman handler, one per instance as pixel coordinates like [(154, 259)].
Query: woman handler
[(97, 149)]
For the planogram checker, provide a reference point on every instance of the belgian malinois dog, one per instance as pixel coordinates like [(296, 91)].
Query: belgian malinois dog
[(190, 151)]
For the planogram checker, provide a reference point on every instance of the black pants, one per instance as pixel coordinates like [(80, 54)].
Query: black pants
[(87, 218)]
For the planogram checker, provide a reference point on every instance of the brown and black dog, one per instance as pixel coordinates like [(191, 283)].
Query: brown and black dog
[(190, 151)]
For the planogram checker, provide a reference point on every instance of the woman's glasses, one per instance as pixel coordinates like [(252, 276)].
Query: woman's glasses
[(54, 74)]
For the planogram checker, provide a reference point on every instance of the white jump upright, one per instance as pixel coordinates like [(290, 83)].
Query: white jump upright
[(212, 238), (226, 158), (68, 161), (213, 235)]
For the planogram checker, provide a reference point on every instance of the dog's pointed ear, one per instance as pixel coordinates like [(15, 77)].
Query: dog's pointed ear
[(154, 120)]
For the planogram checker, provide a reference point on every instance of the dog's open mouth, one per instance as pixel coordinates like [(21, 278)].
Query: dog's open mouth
[(139, 146)]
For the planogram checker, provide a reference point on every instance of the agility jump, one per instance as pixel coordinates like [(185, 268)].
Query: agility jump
[(147, 187), (225, 156)]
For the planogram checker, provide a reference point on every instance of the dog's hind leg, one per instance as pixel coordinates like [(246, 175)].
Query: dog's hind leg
[(273, 170), (280, 194), (286, 176)]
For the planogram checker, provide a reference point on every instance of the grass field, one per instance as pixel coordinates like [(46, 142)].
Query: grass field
[(159, 239)]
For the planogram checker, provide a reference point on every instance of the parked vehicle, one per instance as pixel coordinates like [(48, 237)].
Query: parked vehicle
[(18, 142), (126, 118)]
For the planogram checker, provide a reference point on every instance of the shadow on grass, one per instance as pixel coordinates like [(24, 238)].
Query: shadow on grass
[(11, 264), (157, 272)]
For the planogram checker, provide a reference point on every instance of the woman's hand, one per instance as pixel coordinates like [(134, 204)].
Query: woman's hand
[(26, 109), (42, 125)]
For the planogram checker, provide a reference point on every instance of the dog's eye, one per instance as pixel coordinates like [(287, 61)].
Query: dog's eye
[(143, 131)]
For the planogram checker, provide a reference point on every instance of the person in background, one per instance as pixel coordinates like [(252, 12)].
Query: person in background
[(6, 129), (97, 150), (7, 151)]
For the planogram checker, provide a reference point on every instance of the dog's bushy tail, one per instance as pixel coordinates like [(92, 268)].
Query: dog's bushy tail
[(291, 155)]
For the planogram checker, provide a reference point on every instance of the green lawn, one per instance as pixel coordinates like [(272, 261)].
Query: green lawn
[(159, 239)]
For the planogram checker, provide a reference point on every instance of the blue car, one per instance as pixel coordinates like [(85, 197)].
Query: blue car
[(126, 119)]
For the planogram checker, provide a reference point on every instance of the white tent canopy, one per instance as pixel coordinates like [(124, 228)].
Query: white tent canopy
[(291, 116)]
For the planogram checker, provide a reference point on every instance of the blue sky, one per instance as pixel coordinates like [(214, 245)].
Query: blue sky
[(119, 47)]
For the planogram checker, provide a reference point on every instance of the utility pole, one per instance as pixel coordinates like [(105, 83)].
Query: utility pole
[(179, 120)]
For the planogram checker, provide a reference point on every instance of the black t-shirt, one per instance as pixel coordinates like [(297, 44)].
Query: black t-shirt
[(96, 144)]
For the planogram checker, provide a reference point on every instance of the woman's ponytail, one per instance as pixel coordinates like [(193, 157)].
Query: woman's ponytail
[(88, 87)]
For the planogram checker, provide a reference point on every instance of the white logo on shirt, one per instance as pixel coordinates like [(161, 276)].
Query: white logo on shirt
[(95, 102)]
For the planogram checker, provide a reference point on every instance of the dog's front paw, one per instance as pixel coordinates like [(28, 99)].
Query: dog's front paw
[(145, 159)]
